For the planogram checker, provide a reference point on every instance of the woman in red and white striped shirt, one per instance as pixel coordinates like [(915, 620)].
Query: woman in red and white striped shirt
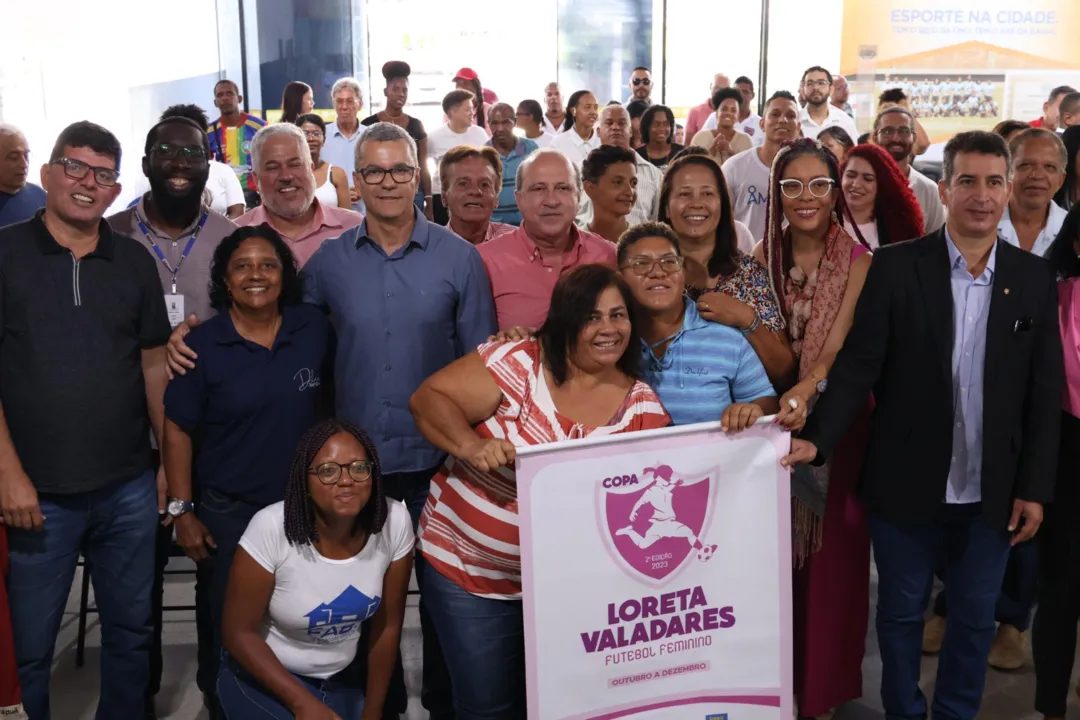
[(577, 378)]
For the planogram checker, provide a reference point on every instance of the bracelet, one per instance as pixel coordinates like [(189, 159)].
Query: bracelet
[(753, 326)]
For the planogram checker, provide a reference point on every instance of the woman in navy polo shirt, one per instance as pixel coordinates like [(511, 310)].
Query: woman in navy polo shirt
[(232, 423)]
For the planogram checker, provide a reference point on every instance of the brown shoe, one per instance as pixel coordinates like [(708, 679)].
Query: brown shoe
[(1009, 651), (933, 634)]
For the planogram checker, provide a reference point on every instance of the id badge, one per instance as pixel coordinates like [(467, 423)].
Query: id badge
[(175, 305)]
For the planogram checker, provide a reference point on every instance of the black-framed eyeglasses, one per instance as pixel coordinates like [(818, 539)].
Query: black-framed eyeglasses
[(400, 174), (641, 81), (170, 151), (77, 170), (643, 265), (329, 473), (819, 187), (901, 132)]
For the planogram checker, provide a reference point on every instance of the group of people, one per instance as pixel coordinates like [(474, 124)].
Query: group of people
[(941, 96), (316, 404)]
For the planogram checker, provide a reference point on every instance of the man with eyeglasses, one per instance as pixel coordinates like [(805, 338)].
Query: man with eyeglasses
[(83, 329), (819, 113), (19, 200), (346, 130), (408, 297), (282, 167), (231, 135), (641, 85), (894, 130)]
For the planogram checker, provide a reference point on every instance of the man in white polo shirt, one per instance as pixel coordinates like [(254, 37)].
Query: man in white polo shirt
[(615, 130), (819, 113), (894, 130), (1032, 219), (747, 173)]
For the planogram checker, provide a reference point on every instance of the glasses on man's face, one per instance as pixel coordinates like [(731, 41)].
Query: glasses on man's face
[(77, 170), (817, 83), (169, 151), (904, 133), (400, 174), (819, 187), (643, 264), (642, 81), (329, 473)]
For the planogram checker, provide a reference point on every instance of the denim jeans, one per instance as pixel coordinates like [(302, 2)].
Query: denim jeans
[(483, 642), (114, 528), (1018, 590), (226, 518), (242, 697), (974, 557)]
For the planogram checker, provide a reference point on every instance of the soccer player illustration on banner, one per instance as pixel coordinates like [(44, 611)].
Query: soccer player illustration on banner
[(658, 494)]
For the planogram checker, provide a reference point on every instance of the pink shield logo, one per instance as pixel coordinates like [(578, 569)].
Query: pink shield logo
[(654, 521)]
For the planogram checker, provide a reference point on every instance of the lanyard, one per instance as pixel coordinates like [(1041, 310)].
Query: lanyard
[(187, 248)]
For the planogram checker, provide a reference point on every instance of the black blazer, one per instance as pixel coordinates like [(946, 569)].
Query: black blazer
[(900, 348)]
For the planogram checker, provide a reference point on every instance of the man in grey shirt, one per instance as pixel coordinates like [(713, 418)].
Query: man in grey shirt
[(894, 130)]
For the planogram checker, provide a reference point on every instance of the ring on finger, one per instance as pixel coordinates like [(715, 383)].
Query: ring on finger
[(793, 403)]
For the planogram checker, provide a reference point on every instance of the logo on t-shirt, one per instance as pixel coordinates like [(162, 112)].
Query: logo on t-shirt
[(307, 378), (341, 617), (753, 197)]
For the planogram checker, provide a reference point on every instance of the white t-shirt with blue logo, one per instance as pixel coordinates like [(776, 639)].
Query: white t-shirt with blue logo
[(748, 180), (318, 604)]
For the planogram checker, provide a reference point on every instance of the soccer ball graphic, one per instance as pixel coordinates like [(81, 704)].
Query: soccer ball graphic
[(706, 552)]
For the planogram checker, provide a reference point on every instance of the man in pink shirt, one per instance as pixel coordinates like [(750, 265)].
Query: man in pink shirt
[(695, 119), (281, 163), (525, 264)]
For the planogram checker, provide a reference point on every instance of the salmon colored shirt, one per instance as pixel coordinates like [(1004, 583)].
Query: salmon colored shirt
[(522, 281), (329, 222)]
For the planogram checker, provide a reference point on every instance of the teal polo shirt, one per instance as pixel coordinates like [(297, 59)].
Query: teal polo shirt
[(507, 211)]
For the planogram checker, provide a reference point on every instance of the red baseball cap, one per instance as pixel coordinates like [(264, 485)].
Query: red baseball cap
[(466, 74)]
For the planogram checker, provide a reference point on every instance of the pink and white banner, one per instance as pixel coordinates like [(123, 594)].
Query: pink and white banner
[(657, 576)]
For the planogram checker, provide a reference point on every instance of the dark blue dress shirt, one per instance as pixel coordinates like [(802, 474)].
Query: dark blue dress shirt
[(398, 318), (21, 206), (246, 407)]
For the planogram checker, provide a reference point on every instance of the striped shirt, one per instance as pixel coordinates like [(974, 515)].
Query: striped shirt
[(469, 527), (232, 146), (706, 367)]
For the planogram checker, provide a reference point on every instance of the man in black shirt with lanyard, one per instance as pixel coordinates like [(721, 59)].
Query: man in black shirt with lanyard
[(181, 233), (82, 379)]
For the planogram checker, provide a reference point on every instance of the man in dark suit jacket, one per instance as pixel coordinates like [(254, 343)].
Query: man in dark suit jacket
[(956, 335)]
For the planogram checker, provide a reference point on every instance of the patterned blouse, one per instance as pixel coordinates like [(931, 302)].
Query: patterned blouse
[(749, 284)]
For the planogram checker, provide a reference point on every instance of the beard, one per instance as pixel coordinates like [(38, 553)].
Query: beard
[(178, 209)]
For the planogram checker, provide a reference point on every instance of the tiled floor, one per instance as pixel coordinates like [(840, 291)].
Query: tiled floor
[(1009, 696)]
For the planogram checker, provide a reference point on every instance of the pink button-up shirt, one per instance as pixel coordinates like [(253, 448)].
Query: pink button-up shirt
[(1069, 316), (522, 281), (328, 222), (695, 119)]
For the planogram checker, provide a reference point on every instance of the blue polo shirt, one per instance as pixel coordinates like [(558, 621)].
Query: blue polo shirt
[(507, 211), (706, 367), (246, 407), (399, 318), (21, 206)]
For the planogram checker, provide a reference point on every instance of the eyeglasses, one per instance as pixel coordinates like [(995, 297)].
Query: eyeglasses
[(817, 83), (314, 135), (641, 81), (901, 132), (77, 170), (329, 473), (819, 187), (169, 151), (401, 174), (643, 265)]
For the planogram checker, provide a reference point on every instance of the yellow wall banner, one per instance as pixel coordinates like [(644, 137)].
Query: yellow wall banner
[(965, 65)]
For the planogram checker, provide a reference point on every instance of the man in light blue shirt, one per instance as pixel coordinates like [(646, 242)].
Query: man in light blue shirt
[(345, 132)]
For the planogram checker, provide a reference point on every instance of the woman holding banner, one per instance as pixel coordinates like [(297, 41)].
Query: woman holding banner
[(577, 378), (702, 371), (816, 270)]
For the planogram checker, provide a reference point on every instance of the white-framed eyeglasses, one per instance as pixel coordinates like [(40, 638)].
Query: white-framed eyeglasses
[(819, 187)]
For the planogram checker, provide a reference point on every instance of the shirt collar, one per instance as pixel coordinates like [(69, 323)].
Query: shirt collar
[(533, 252), (292, 320), (48, 245), (956, 259), (421, 232), (518, 149)]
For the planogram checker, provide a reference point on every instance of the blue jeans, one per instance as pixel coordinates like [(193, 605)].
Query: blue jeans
[(973, 557), (114, 528), (483, 642), (1017, 597), (242, 697), (226, 519)]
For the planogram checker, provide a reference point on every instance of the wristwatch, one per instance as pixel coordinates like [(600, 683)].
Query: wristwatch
[(178, 507)]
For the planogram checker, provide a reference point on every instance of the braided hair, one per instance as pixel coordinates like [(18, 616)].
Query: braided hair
[(300, 528), (776, 245)]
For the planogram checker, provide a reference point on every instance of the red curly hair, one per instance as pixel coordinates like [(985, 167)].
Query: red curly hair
[(896, 210)]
